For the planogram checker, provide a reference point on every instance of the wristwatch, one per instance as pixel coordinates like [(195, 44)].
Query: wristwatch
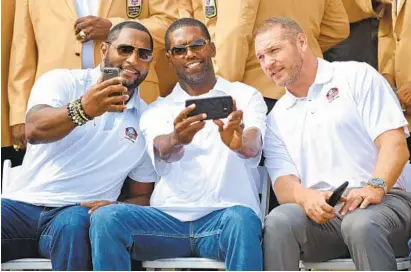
[(378, 183)]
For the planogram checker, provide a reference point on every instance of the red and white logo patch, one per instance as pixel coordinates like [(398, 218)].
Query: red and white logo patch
[(131, 134), (332, 94)]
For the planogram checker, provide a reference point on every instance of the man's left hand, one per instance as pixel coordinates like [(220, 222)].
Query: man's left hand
[(232, 133), (94, 205), (91, 28), (362, 197)]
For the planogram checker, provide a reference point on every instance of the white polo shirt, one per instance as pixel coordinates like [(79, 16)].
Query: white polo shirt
[(91, 162), (328, 137), (209, 176)]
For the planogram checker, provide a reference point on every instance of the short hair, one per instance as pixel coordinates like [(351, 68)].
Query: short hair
[(114, 32), (184, 22), (290, 27)]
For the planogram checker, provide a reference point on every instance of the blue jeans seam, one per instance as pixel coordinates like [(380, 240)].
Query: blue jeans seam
[(207, 234)]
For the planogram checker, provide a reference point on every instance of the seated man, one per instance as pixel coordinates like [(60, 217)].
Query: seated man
[(206, 202), (337, 122), (79, 153)]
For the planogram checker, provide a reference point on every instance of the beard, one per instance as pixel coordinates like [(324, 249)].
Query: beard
[(129, 84), (194, 79), (295, 71)]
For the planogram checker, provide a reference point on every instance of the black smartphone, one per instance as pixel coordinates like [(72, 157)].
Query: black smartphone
[(109, 73), (335, 197), (218, 107)]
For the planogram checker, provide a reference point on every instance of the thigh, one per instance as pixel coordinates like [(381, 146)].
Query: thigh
[(63, 223), (19, 227), (152, 234), (318, 242), (215, 231)]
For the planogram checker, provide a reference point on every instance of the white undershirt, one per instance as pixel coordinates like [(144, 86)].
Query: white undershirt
[(86, 8), (398, 6)]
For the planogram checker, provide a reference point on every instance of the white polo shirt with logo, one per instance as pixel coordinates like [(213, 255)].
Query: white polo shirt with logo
[(209, 176), (91, 162), (328, 137)]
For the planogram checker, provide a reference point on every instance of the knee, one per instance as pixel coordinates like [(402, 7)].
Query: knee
[(106, 218), (285, 220), (359, 227), (242, 217)]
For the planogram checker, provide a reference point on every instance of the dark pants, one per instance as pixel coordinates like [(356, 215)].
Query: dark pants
[(361, 45), (60, 234)]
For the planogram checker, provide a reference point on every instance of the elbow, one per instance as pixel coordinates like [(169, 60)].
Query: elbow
[(32, 133)]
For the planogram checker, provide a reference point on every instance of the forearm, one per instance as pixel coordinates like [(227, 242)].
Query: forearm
[(392, 157), (167, 148), (288, 189), (45, 124), (251, 144)]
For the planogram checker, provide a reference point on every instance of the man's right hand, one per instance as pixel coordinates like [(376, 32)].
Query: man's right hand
[(18, 135), (315, 205), (97, 99), (185, 128)]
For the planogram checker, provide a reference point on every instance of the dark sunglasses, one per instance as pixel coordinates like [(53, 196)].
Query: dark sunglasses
[(126, 50), (195, 47)]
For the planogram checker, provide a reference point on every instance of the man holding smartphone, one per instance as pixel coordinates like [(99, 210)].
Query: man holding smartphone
[(337, 122), (206, 203), (79, 157)]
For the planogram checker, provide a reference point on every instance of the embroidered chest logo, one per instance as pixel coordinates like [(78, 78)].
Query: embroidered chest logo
[(131, 134), (134, 8), (332, 94)]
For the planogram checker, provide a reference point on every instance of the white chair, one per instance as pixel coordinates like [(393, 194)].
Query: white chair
[(9, 173), (204, 263)]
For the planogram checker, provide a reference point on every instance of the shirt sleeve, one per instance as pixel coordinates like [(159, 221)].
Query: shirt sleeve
[(144, 171), (254, 117), (377, 103), (156, 121), (277, 159), (51, 89)]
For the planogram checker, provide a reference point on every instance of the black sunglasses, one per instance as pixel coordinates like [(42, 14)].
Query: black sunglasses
[(194, 46), (126, 50)]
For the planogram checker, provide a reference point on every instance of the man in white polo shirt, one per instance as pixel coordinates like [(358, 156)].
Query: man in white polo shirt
[(337, 122), (206, 202), (83, 146)]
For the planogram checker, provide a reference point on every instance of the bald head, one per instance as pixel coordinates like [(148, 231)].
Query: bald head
[(290, 28)]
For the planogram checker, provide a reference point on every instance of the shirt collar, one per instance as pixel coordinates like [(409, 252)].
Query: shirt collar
[(134, 101), (324, 74), (220, 89)]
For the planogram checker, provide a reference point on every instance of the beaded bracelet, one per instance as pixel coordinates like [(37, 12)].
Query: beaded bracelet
[(73, 113)]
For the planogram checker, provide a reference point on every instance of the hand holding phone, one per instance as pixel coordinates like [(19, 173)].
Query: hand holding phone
[(335, 197), (218, 107), (109, 73)]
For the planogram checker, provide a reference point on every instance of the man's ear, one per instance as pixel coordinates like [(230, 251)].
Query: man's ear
[(212, 46), (302, 41), (168, 58), (104, 50)]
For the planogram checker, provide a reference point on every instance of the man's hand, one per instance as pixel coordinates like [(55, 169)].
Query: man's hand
[(362, 197), (232, 133), (315, 205), (94, 205), (404, 95), (97, 101), (185, 128), (18, 135), (94, 28)]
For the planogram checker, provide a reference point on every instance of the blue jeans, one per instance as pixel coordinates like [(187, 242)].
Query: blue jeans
[(60, 234), (118, 232), (409, 245)]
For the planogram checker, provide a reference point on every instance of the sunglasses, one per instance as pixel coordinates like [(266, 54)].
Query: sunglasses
[(195, 47), (126, 50)]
